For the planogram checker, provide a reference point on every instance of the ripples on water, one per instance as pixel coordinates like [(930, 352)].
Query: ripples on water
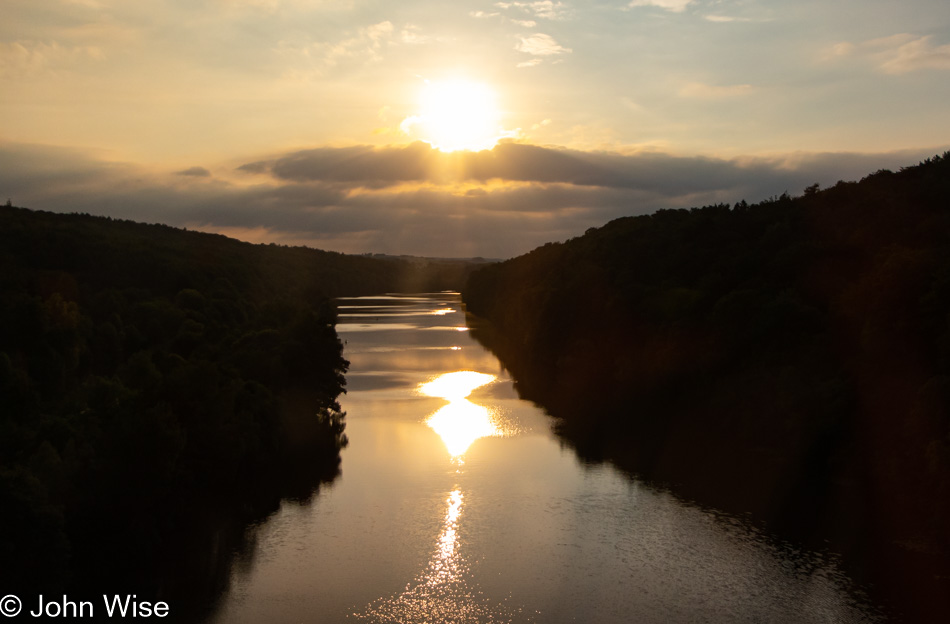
[(445, 591), (458, 505)]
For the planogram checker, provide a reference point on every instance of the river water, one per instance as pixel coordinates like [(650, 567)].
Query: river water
[(458, 504)]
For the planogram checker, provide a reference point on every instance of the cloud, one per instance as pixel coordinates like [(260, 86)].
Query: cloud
[(410, 35), (198, 172), (544, 9), (273, 6), (89, 4), (267, 5), (658, 179), (414, 199), (380, 168), (540, 44), (31, 58), (363, 45), (379, 31), (725, 19), (897, 54), (676, 6), (917, 54), (707, 91), (360, 165), (838, 50)]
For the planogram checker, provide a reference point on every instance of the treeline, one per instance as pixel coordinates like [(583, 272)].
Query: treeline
[(153, 380), (790, 359)]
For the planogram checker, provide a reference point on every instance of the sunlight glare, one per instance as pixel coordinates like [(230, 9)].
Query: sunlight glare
[(446, 565), (461, 422), (457, 115), (455, 386)]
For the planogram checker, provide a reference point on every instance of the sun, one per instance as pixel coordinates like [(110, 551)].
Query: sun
[(456, 115)]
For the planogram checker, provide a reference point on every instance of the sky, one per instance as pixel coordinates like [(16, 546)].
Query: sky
[(464, 128)]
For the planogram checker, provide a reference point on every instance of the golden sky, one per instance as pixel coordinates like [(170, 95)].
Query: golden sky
[(455, 128)]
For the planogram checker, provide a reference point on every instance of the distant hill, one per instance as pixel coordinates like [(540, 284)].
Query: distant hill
[(789, 359), (159, 389), (427, 274)]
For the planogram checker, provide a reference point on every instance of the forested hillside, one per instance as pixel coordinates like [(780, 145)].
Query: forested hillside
[(158, 389), (790, 359)]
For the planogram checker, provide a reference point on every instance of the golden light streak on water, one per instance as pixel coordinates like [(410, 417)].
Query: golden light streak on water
[(445, 566), (444, 592)]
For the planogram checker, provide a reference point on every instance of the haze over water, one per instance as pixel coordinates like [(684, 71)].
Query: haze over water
[(458, 504)]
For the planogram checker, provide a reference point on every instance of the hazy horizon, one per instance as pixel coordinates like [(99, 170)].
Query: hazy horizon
[(470, 129)]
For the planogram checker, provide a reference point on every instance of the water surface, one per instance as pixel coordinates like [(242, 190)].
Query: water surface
[(458, 504)]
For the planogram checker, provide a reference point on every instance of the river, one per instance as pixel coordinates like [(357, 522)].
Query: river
[(458, 504)]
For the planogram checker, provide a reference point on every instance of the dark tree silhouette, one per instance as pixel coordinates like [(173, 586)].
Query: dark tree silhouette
[(789, 359)]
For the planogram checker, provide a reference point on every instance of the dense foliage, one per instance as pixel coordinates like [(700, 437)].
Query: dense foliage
[(146, 372), (789, 358)]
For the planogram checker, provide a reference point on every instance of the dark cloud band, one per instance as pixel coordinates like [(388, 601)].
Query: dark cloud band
[(414, 199)]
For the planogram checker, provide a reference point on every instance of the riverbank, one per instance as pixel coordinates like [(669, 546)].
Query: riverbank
[(150, 381)]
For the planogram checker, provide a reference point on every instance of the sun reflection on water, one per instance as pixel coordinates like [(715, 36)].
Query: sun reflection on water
[(444, 592), (445, 566), (461, 422)]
